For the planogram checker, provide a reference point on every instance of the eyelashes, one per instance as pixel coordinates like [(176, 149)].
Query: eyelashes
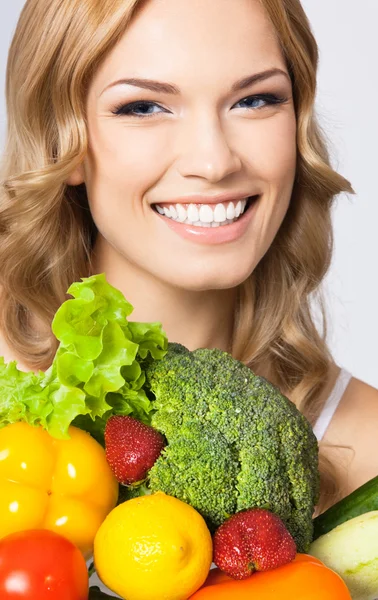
[(139, 109), (266, 99), (132, 108)]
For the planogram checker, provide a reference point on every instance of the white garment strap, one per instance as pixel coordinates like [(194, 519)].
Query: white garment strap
[(331, 404)]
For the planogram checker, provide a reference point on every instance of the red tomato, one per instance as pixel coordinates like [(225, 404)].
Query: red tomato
[(41, 565)]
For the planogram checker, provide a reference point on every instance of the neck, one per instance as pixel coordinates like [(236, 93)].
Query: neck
[(196, 319)]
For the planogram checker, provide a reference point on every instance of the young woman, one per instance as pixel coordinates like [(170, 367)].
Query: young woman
[(172, 145)]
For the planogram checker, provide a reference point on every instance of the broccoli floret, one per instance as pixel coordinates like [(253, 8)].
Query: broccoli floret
[(199, 458), (234, 441)]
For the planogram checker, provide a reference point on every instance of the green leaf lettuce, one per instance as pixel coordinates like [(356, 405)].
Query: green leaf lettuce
[(97, 370)]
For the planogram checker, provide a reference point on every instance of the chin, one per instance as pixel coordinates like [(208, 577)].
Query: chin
[(200, 280)]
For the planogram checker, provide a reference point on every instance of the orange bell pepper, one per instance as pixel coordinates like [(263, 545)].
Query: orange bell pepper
[(306, 578), (65, 486)]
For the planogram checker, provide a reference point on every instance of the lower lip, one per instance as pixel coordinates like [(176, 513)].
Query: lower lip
[(214, 235)]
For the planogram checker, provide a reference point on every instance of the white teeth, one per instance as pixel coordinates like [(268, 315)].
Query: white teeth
[(173, 212), (193, 213), (200, 224), (204, 215), (219, 213), (181, 213), (230, 211)]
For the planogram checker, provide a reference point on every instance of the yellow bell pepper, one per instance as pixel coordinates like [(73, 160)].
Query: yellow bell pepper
[(65, 486)]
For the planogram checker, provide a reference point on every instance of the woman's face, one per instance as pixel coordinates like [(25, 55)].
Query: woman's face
[(192, 110)]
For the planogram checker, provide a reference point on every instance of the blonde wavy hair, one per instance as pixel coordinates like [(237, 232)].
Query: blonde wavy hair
[(46, 229)]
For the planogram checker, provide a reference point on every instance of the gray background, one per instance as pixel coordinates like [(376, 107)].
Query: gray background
[(346, 32)]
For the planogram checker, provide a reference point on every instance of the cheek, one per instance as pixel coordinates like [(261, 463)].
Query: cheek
[(272, 151), (280, 165), (126, 159)]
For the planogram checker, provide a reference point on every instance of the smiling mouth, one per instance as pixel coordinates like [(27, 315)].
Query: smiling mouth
[(206, 215)]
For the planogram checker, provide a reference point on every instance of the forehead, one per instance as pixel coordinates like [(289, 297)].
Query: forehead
[(187, 40)]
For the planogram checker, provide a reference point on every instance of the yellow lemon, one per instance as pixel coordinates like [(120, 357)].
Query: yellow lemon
[(153, 548)]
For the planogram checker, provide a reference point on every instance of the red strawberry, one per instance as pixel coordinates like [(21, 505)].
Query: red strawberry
[(252, 540), (131, 448)]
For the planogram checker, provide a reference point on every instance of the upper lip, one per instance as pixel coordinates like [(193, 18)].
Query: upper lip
[(213, 199)]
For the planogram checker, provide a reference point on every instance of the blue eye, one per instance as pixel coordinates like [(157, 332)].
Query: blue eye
[(138, 109), (261, 101)]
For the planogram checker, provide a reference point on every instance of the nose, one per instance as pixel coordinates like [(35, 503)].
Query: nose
[(205, 152)]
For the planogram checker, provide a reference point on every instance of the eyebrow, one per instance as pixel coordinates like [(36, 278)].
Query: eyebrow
[(168, 88)]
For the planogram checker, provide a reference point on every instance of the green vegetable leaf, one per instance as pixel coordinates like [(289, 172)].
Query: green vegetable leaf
[(150, 338), (26, 397), (67, 403), (22, 396), (97, 370)]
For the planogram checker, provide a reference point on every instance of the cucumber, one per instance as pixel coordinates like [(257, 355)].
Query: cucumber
[(364, 499)]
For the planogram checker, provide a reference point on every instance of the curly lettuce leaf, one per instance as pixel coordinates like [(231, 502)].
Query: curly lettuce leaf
[(26, 397), (97, 370), (150, 338), (78, 323), (95, 341), (22, 397)]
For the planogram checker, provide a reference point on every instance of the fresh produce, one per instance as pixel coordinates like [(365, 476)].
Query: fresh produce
[(131, 448), (363, 500), (305, 578), (252, 540), (351, 549), (63, 485), (41, 565), (97, 370), (234, 441), (153, 547)]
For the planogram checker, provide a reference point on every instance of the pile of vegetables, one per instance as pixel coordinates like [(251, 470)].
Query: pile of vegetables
[(234, 440), (199, 426)]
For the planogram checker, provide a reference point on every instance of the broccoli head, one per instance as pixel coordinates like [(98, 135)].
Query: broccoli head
[(234, 441)]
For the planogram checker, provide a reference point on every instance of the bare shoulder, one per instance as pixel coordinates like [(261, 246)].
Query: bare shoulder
[(352, 434)]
